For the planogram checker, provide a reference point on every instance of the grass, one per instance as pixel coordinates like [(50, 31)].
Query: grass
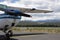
[(38, 29)]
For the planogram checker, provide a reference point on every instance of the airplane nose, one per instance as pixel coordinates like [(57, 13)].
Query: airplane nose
[(16, 13)]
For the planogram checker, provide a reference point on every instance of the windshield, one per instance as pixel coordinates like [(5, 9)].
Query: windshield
[(3, 6)]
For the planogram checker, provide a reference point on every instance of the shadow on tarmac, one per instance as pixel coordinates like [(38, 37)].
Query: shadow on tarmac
[(2, 37), (25, 34)]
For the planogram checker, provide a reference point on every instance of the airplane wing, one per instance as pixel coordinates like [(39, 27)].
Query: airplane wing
[(32, 10)]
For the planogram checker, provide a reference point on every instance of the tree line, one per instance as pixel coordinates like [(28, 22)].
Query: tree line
[(38, 25)]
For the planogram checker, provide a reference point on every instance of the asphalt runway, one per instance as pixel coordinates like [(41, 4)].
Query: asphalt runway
[(31, 36)]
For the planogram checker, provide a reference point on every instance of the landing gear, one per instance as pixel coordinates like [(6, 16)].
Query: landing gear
[(8, 34)]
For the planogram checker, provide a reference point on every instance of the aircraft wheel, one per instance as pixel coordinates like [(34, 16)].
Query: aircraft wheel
[(7, 36), (9, 33)]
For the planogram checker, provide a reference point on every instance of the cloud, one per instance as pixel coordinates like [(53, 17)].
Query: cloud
[(39, 4), (42, 14), (10, 1), (39, 18), (2, 0), (13, 1), (56, 8)]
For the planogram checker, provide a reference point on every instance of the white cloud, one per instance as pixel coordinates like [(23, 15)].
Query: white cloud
[(39, 18)]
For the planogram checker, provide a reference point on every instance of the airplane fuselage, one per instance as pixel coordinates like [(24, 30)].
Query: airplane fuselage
[(8, 20)]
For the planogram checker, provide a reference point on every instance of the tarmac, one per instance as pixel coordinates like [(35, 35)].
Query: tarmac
[(31, 36)]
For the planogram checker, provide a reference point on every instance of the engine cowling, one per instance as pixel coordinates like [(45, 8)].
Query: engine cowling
[(15, 13)]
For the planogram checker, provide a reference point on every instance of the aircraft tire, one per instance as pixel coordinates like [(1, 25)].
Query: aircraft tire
[(10, 33), (7, 36)]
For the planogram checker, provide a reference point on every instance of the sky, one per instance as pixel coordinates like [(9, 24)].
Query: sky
[(38, 4)]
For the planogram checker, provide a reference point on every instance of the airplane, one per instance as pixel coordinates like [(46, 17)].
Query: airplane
[(12, 16)]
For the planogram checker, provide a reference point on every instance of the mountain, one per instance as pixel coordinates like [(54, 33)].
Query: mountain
[(28, 23), (40, 22), (55, 20), (50, 22)]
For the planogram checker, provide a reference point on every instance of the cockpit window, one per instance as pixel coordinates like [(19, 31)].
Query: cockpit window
[(3, 6)]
